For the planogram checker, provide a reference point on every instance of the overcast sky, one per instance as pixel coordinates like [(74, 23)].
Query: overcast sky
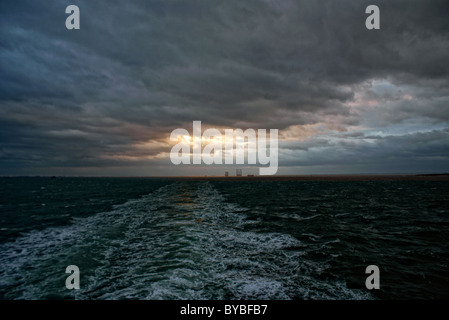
[(104, 99)]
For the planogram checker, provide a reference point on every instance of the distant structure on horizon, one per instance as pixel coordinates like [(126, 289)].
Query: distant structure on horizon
[(226, 173), (238, 172)]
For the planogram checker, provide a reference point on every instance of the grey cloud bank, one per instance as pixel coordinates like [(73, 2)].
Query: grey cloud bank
[(103, 100)]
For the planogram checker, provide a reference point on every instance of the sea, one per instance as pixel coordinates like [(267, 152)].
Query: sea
[(228, 239)]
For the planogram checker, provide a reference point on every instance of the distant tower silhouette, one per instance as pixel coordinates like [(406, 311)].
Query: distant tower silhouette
[(238, 172)]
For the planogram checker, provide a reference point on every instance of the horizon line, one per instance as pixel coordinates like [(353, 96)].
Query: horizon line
[(251, 176)]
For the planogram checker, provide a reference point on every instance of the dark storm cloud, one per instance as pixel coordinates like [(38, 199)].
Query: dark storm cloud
[(417, 152), (138, 69)]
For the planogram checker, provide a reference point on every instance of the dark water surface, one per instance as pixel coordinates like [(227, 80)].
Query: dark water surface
[(164, 239)]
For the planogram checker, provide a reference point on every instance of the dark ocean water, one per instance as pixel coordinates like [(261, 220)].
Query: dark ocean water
[(185, 239)]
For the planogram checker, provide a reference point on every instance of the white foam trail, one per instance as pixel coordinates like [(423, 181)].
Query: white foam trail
[(176, 243)]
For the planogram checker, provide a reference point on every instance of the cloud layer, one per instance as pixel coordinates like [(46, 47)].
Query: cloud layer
[(104, 99)]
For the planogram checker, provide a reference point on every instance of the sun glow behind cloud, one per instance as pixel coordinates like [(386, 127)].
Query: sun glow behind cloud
[(344, 99)]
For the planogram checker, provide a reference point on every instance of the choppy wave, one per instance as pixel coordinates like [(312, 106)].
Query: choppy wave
[(184, 241)]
